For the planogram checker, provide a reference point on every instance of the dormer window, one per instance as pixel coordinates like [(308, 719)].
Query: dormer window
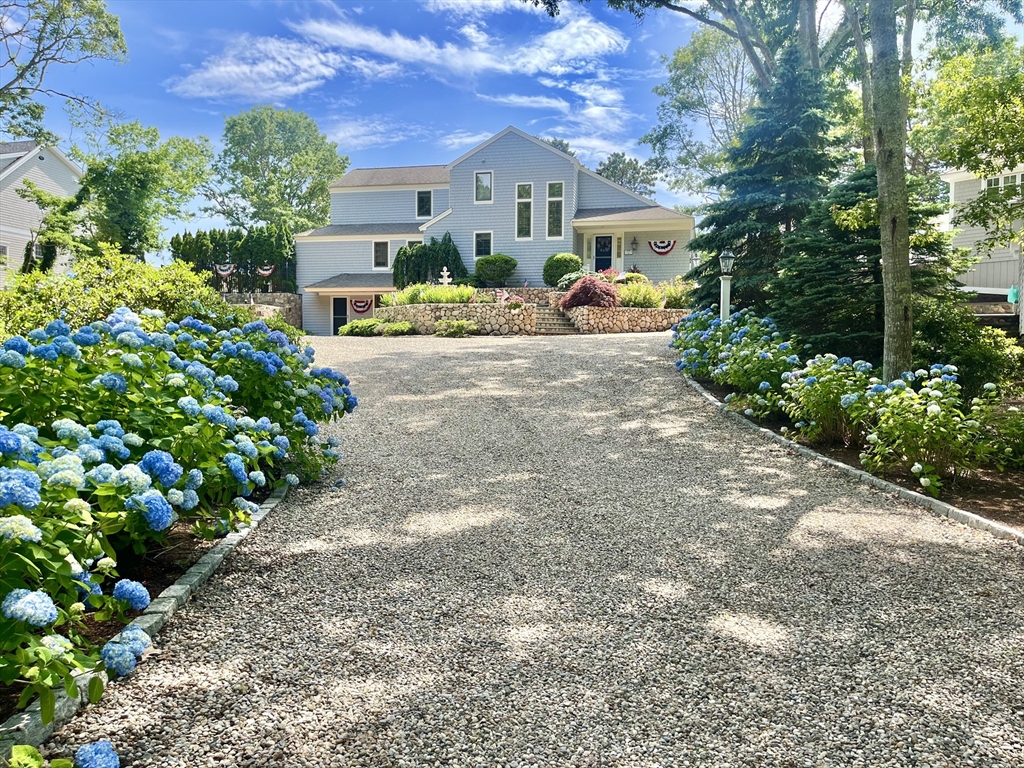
[(424, 204)]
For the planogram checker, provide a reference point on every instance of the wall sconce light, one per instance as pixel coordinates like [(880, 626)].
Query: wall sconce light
[(634, 245)]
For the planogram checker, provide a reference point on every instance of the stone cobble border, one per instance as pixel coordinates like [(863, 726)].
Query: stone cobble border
[(940, 508), (26, 727)]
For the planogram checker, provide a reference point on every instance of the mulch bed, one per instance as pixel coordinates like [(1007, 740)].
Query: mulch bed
[(995, 495)]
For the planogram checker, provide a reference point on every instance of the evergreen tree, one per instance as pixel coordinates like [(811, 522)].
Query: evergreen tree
[(829, 289), (780, 165)]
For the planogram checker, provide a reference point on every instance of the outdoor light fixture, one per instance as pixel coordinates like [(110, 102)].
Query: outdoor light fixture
[(634, 244), (694, 260), (726, 261)]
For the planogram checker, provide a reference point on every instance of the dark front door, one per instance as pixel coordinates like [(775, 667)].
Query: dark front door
[(340, 313), (602, 252)]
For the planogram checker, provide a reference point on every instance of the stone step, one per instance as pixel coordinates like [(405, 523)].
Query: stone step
[(552, 324), (560, 332)]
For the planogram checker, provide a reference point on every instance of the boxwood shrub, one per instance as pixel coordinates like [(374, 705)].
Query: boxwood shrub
[(560, 265)]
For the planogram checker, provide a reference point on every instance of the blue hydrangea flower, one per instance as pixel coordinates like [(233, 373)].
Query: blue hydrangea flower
[(282, 444), (244, 505), (133, 593), (130, 339), (194, 479), (89, 454), (35, 608), (58, 328), (135, 638), (764, 385), (115, 382), (311, 428), (46, 352), (878, 389), (67, 348), (200, 345), (246, 424), (291, 479), (20, 487), (278, 338), (117, 658), (101, 475), (18, 344), (226, 383), (161, 465), (19, 527), (236, 464), (256, 327), (86, 585), (189, 499), (132, 360), (154, 507), (100, 754), (38, 334), (10, 442), (810, 380), (246, 448), (189, 405), (258, 477), (215, 414), (847, 400), (11, 359), (114, 445), (110, 427)]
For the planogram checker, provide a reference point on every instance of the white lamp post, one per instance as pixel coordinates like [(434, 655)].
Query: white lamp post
[(726, 261)]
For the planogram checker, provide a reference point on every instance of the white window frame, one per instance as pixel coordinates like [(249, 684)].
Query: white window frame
[(547, 210), (515, 219), (489, 233), (417, 203), (483, 202), (373, 256)]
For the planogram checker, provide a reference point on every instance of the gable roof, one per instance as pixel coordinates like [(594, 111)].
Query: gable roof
[(354, 280), (395, 176), (523, 135), (20, 152)]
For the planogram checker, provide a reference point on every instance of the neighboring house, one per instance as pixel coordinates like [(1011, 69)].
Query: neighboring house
[(512, 194), (995, 273), (48, 169)]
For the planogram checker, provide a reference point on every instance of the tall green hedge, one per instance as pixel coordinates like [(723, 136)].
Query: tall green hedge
[(422, 263)]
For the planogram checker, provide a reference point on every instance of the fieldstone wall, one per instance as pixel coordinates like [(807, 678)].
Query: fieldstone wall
[(541, 296), (493, 319), (624, 319), (266, 304)]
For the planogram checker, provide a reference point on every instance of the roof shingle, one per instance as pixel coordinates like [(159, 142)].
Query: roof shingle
[(357, 280), (627, 214), (386, 177), (401, 228)]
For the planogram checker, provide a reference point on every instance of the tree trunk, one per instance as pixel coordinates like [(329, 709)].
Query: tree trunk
[(809, 33), (890, 159), (853, 15)]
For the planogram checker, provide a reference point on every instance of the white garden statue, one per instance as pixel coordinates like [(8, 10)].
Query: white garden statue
[(446, 276)]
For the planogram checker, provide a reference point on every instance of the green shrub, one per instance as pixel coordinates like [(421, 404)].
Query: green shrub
[(676, 293), (470, 280), (367, 327), (495, 270), (483, 298), (560, 265), (97, 285), (456, 329), (422, 262), (632, 277), (432, 294), (948, 332), (402, 328), (591, 291), (640, 294)]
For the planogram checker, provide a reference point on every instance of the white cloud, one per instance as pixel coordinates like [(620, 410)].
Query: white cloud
[(530, 102), (477, 8), (341, 33), (574, 47), (364, 132), (260, 68), (477, 36), (461, 139)]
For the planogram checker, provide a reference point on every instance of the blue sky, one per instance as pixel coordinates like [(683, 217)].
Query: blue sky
[(394, 82)]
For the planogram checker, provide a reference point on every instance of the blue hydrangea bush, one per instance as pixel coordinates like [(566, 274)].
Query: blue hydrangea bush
[(111, 432), (918, 425)]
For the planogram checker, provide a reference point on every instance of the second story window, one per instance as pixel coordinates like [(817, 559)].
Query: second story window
[(482, 184), (380, 255), (524, 211), (555, 192), (424, 204)]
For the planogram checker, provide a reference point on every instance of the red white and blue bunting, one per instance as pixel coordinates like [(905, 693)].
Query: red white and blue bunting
[(662, 247), (361, 306), (265, 271), (224, 270)]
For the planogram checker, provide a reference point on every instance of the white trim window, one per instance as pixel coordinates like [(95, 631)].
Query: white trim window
[(483, 187), (381, 252), (424, 204), (556, 197), (483, 244), (1009, 183), (524, 211)]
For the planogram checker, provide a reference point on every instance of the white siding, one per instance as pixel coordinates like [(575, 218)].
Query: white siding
[(656, 267), (18, 217), (595, 192)]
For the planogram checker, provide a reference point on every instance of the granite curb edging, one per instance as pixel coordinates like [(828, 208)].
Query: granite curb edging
[(26, 727), (940, 508)]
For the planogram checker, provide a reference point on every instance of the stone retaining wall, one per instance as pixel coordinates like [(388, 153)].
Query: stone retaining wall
[(530, 295), (624, 319), (266, 304), (493, 319)]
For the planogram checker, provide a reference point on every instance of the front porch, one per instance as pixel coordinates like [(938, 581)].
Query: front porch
[(347, 297), (609, 238)]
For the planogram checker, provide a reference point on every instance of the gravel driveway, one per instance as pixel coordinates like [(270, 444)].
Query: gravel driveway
[(549, 552)]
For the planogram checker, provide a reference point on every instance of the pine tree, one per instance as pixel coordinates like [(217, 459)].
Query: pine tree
[(829, 290), (780, 165)]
